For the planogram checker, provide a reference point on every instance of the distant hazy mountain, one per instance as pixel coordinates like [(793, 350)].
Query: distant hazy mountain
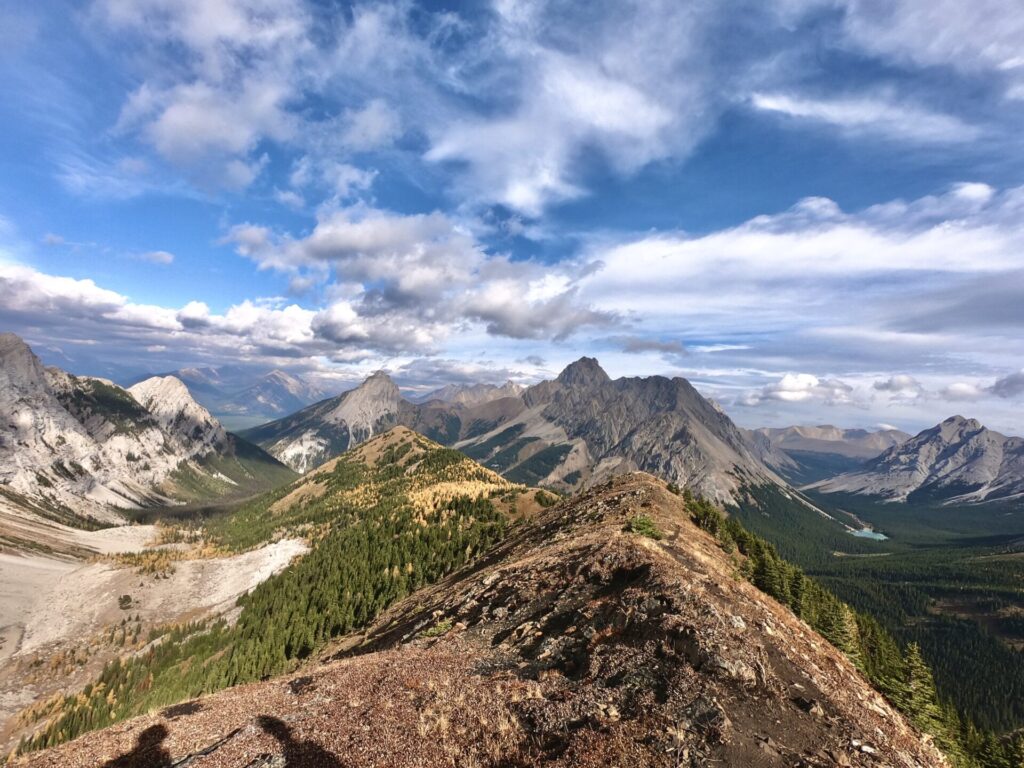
[(240, 397), (957, 460), (73, 447), (853, 443), (574, 431), (472, 394)]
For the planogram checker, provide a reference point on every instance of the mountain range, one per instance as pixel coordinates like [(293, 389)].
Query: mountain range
[(958, 460), (81, 448), (241, 397), (423, 536), (825, 438), (572, 432), (609, 629), (471, 394)]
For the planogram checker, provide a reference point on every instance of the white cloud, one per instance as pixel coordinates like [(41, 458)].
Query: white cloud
[(982, 36), (771, 270), (341, 181), (633, 86), (901, 386), (962, 390), (407, 281), (157, 257), (207, 110), (802, 388), (375, 125), (878, 114)]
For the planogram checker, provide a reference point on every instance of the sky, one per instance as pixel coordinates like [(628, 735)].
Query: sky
[(812, 209)]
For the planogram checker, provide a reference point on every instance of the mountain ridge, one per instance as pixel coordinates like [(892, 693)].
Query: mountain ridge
[(570, 432), (576, 641), (826, 438), (957, 460), (87, 448)]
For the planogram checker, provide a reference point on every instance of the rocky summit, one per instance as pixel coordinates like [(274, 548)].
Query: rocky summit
[(957, 460)]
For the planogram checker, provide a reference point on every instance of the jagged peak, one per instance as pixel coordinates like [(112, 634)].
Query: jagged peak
[(11, 342), (584, 371), (20, 366), (958, 420), (159, 387), (954, 426), (379, 382)]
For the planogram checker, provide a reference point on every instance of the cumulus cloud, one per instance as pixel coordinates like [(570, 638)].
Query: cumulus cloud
[(414, 278), (962, 391), (901, 386), (802, 388), (1010, 386)]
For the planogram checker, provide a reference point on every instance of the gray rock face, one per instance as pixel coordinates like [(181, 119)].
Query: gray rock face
[(85, 447), (655, 424), (576, 430), (322, 431), (958, 460)]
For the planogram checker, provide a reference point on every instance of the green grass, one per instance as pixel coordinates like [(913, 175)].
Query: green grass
[(642, 525), (441, 628)]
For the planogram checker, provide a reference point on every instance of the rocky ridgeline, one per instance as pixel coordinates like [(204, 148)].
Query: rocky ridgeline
[(958, 460), (569, 433), (573, 643)]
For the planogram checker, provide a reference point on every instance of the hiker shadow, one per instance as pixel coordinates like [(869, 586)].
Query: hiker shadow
[(297, 754), (149, 751)]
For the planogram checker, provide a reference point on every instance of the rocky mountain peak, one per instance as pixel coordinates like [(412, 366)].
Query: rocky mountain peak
[(584, 372), (379, 384), (958, 459), (962, 423), (20, 369), (169, 401)]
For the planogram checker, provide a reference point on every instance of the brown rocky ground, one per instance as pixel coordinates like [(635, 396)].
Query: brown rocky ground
[(572, 644)]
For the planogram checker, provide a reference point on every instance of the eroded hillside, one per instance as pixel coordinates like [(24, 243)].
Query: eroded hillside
[(607, 630)]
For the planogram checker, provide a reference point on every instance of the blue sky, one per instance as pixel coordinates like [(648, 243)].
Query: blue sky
[(810, 208)]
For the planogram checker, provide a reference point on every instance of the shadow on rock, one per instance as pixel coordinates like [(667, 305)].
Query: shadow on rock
[(149, 751), (300, 754)]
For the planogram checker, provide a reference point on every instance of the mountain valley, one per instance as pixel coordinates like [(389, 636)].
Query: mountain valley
[(606, 628), (438, 531)]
